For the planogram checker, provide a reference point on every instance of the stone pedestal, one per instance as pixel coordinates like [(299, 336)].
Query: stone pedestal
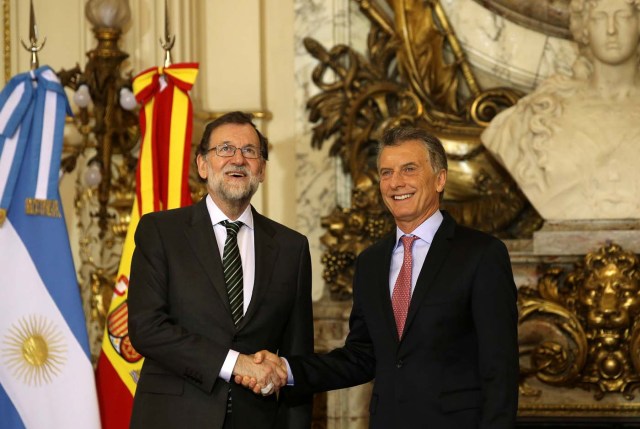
[(582, 237)]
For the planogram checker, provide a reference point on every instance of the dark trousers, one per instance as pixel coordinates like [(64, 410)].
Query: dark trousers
[(228, 422)]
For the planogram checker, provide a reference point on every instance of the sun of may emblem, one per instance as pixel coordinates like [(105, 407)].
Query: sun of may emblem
[(35, 350)]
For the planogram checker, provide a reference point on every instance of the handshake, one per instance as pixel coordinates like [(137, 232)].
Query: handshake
[(263, 372)]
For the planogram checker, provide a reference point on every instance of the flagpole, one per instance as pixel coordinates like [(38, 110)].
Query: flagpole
[(33, 46), (169, 40)]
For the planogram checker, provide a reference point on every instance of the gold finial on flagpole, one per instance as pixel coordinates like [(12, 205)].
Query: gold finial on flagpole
[(34, 48), (169, 39)]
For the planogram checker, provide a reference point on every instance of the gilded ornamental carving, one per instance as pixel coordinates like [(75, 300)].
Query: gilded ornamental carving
[(579, 328)]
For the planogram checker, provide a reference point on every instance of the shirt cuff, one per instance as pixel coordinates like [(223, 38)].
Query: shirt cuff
[(229, 363), (289, 374)]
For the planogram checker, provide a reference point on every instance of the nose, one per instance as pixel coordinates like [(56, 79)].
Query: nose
[(396, 180), (238, 157), (608, 304), (611, 24)]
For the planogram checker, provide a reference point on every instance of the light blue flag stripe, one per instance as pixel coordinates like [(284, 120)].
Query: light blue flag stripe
[(9, 415), (16, 108), (52, 108), (15, 116)]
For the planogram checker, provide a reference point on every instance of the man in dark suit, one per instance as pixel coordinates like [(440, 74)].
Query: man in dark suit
[(434, 316), (194, 321)]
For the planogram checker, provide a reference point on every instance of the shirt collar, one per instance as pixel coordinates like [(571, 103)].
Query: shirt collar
[(218, 216), (426, 230)]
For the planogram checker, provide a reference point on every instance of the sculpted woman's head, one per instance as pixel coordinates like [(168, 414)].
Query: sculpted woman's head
[(607, 31)]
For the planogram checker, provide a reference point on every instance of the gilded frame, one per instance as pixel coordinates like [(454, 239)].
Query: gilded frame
[(6, 38)]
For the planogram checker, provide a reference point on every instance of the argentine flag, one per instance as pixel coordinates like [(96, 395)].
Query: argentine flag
[(46, 377)]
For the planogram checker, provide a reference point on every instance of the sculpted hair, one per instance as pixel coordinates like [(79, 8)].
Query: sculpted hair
[(239, 118), (579, 17), (397, 135)]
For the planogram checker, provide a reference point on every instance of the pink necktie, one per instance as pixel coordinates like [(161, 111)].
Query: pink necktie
[(402, 290)]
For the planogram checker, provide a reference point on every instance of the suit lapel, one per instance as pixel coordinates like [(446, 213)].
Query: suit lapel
[(438, 252), (202, 239), (382, 282), (266, 253)]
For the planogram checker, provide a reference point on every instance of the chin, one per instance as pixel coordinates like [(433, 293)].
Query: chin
[(401, 215)]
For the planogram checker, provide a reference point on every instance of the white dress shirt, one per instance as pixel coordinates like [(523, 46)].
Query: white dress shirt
[(425, 233), (248, 256)]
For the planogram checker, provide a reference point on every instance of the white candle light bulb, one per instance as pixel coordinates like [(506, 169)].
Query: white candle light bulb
[(93, 175), (127, 99), (82, 98)]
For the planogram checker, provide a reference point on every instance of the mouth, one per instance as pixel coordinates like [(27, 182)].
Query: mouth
[(236, 174), (402, 197)]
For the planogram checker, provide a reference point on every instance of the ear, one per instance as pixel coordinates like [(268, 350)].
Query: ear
[(441, 180), (263, 170), (202, 166)]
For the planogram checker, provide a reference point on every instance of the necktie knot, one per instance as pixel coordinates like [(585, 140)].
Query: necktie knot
[(407, 242), (232, 227)]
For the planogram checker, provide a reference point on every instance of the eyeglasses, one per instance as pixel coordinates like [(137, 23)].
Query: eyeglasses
[(228, 150)]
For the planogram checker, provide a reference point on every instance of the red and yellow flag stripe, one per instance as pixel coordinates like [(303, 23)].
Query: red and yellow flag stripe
[(162, 182)]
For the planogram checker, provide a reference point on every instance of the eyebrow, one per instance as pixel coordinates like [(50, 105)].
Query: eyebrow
[(228, 142), (408, 164)]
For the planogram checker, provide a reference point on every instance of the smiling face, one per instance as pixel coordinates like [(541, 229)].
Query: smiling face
[(409, 187), (232, 181), (613, 31)]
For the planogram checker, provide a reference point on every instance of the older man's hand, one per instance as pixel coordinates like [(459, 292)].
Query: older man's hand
[(263, 373)]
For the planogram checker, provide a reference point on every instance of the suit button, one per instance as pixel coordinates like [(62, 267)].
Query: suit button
[(399, 364)]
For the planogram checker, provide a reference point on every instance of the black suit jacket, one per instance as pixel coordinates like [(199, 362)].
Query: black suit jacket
[(180, 320), (456, 366)]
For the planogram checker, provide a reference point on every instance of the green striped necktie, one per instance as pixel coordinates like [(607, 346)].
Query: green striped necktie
[(232, 265)]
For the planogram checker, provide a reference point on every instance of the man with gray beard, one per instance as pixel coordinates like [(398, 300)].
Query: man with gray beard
[(211, 283)]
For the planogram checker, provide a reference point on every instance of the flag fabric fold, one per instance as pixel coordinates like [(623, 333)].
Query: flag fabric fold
[(46, 377), (162, 182)]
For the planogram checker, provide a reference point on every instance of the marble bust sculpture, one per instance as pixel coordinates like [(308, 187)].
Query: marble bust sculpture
[(573, 144)]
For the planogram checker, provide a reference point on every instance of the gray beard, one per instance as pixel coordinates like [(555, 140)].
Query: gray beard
[(231, 193)]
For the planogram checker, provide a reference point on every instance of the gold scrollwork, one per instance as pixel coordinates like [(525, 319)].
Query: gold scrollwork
[(580, 329), (405, 78), (6, 39)]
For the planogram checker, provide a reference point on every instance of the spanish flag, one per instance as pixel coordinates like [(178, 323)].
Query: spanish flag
[(162, 182)]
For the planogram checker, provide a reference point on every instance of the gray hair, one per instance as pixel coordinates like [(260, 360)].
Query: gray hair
[(397, 135)]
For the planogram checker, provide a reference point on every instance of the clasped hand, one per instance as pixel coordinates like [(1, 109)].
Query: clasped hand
[(263, 372)]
